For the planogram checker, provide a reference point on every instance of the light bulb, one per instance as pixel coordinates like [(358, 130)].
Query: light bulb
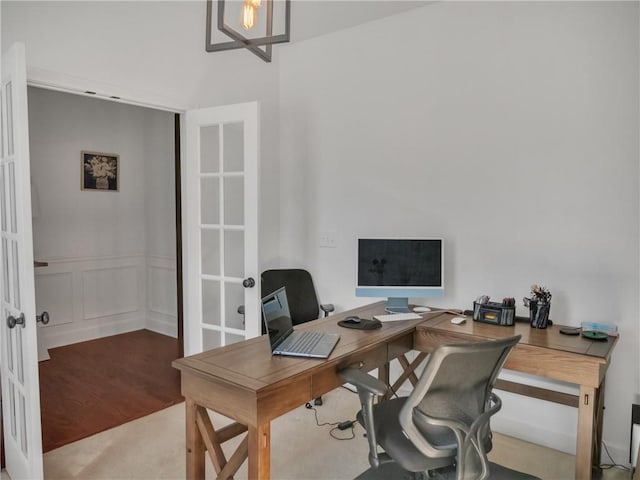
[(248, 15)]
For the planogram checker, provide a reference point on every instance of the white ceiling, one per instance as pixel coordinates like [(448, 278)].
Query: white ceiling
[(153, 50), (312, 18)]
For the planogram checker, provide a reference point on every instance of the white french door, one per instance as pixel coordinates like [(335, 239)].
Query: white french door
[(19, 369), (220, 226)]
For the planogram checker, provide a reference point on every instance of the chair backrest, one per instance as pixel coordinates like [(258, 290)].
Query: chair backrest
[(455, 392), (301, 294)]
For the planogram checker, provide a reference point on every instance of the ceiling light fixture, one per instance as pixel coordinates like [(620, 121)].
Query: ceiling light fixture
[(232, 15)]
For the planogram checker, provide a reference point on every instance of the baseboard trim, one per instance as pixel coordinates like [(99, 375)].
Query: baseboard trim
[(53, 339), (162, 327)]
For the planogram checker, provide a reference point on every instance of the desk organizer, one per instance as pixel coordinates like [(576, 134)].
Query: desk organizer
[(495, 313)]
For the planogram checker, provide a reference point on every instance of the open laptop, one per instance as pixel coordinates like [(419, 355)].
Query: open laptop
[(284, 339)]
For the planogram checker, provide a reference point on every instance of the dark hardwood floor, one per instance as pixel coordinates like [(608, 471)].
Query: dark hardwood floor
[(92, 386)]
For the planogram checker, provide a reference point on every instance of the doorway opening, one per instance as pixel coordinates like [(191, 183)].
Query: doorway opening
[(110, 274)]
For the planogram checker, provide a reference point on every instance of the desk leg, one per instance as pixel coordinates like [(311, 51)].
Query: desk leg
[(586, 422), (195, 444), (597, 446), (383, 376), (383, 373), (260, 452)]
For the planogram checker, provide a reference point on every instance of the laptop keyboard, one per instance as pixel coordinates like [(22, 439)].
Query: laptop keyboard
[(304, 343)]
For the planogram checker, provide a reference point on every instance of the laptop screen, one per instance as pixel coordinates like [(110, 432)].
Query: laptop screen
[(277, 319)]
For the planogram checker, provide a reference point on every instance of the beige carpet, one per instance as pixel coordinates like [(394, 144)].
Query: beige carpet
[(153, 448)]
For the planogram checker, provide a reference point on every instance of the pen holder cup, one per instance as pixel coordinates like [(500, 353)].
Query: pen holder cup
[(539, 314)]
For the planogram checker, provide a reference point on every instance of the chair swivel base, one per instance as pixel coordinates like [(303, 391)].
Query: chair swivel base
[(387, 471), (394, 471)]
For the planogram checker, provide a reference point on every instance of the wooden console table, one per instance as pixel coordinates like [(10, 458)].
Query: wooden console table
[(245, 383)]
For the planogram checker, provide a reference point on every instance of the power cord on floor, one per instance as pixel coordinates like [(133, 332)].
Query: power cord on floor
[(337, 426), (613, 464)]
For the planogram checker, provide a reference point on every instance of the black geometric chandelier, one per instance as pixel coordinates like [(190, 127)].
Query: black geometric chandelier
[(255, 18)]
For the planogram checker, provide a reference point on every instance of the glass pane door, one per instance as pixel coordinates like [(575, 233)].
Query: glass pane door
[(18, 343), (222, 172)]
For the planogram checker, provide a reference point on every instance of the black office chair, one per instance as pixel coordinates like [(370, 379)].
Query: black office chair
[(301, 295), (441, 430)]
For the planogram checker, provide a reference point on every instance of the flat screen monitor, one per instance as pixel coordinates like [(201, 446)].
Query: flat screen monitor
[(399, 269)]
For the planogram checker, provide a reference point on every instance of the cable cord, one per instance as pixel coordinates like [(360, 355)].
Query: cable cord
[(333, 431), (337, 426), (613, 464), (345, 425)]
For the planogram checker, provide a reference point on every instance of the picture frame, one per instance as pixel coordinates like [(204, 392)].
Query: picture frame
[(99, 172)]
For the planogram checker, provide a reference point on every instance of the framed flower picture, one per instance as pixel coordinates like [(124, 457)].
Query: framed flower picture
[(100, 171)]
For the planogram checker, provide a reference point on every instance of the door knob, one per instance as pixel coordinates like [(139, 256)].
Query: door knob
[(13, 321), (248, 283), (44, 318)]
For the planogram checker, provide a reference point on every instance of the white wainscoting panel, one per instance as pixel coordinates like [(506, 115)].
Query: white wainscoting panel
[(90, 298), (54, 294), (110, 291), (162, 294)]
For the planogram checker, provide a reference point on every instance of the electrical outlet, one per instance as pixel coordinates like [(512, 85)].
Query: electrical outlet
[(328, 240)]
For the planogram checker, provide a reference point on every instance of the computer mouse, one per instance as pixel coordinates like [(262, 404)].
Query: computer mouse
[(352, 319)]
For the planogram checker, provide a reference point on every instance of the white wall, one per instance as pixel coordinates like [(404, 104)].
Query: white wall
[(403, 126), (160, 226), (508, 128), (104, 249), (151, 52)]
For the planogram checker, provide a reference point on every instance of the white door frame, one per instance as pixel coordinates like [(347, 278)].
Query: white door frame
[(20, 381)]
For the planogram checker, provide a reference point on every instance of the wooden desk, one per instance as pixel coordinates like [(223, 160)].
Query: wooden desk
[(546, 353), (245, 383)]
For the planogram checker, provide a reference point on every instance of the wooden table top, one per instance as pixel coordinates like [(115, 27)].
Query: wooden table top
[(249, 364), (549, 337), (541, 352)]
